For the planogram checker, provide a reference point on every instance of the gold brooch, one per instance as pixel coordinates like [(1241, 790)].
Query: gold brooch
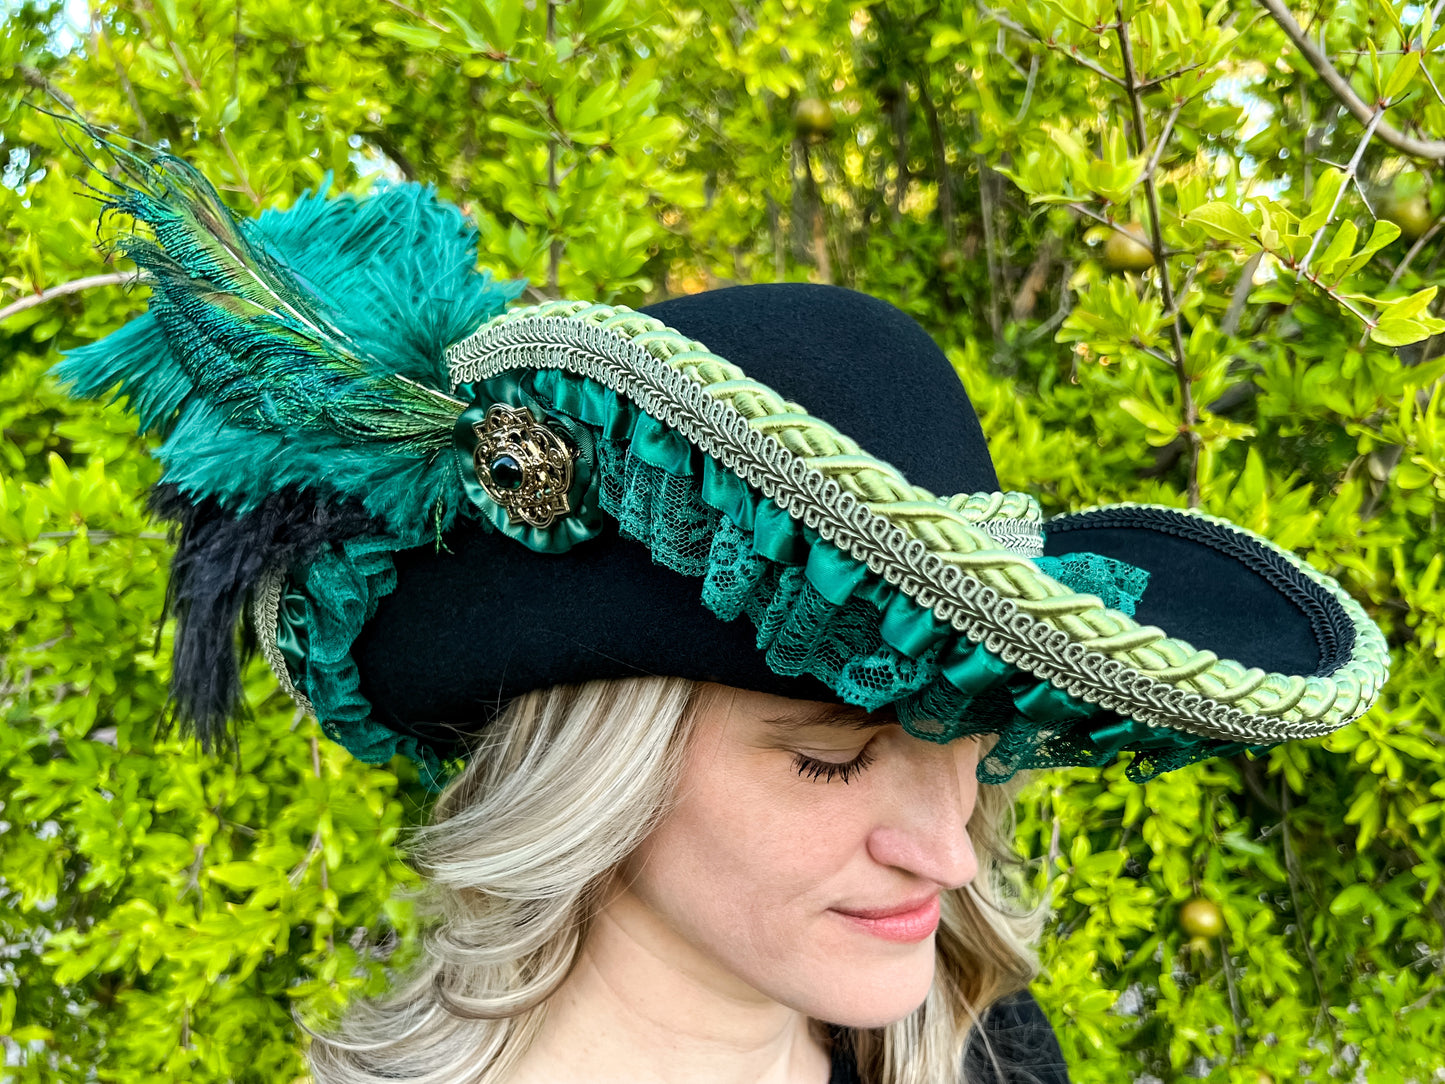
[(523, 465)]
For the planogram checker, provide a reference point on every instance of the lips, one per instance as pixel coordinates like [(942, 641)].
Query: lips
[(908, 923)]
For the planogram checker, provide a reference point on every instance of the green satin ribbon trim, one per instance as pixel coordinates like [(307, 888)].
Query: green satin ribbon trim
[(796, 582), (839, 578), (292, 636)]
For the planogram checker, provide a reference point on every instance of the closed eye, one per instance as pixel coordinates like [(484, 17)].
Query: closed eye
[(829, 770)]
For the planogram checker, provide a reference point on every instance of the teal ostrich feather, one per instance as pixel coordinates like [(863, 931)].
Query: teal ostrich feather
[(303, 348)]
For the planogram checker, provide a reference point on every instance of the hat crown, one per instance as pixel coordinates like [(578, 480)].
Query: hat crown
[(862, 364)]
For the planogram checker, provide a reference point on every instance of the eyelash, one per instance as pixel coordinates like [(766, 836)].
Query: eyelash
[(827, 770)]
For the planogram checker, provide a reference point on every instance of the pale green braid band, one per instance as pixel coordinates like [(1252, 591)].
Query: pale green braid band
[(938, 552)]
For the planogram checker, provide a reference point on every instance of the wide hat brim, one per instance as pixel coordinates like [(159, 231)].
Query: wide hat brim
[(837, 575)]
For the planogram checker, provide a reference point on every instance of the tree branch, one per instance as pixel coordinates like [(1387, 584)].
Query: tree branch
[(1156, 236), (1351, 173), (113, 278), (1292, 874), (1433, 149), (1008, 24)]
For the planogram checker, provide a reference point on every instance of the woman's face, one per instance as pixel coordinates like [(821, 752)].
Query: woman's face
[(803, 860)]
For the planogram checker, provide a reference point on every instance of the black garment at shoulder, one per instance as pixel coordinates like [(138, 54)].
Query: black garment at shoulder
[(1020, 1035), (1022, 1040)]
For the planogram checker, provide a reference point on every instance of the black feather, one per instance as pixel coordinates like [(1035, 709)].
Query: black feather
[(220, 559)]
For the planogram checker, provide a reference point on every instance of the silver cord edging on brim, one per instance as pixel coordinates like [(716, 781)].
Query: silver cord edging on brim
[(1021, 536), (265, 613)]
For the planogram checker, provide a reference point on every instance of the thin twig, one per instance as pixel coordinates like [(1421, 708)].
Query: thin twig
[(898, 119), (1351, 173), (1431, 80), (1070, 51), (1159, 143), (1153, 352), (36, 78), (990, 247), (105, 536), (140, 117), (74, 286), (1230, 324), (1291, 869), (420, 17), (1150, 84), (314, 848), (1028, 89), (998, 47), (195, 85), (193, 874), (1420, 242), (1229, 984), (940, 163), (1433, 150), (1089, 212), (554, 247), (1034, 335), (1190, 413), (1183, 291)]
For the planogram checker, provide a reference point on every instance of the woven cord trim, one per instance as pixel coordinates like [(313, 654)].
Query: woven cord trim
[(929, 549)]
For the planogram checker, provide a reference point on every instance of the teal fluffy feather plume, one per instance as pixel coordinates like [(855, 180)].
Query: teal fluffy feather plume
[(302, 348), (294, 367)]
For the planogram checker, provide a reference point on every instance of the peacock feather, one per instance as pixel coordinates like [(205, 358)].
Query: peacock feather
[(293, 366)]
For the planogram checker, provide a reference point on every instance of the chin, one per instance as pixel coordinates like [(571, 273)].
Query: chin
[(870, 993)]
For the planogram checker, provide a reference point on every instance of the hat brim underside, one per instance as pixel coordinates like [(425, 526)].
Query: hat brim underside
[(1237, 598)]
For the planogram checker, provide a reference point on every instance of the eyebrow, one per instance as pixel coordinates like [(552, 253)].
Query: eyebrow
[(832, 715)]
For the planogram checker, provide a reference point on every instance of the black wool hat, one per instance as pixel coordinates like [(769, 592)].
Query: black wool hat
[(429, 504)]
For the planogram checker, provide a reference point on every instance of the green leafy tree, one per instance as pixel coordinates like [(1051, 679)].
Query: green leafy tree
[(1178, 253)]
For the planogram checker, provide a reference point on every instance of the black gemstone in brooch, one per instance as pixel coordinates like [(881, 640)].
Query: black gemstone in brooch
[(523, 465)]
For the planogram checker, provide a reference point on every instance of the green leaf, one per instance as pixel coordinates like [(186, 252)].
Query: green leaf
[(1353, 898), (1322, 200), (1223, 222), (509, 126), (419, 37), (1339, 248), (1412, 306), (507, 18), (1151, 416), (1392, 331), (243, 874), (1381, 235), (1271, 217), (1401, 79), (478, 40)]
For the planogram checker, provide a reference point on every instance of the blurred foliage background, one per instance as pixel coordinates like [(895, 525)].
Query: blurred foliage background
[(1178, 253)]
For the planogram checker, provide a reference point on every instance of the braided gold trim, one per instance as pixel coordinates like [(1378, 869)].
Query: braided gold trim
[(937, 552)]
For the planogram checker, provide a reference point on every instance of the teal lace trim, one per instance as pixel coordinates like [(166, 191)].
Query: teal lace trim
[(816, 611), (320, 616), (1118, 585)]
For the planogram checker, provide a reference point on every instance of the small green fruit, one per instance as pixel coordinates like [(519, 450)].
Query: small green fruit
[(813, 119), (1411, 213), (1201, 918), (1128, 253)]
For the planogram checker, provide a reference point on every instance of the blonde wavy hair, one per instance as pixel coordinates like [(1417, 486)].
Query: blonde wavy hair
[(563, 787)]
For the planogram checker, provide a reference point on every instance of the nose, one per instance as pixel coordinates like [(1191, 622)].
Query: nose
[(924, 829)]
